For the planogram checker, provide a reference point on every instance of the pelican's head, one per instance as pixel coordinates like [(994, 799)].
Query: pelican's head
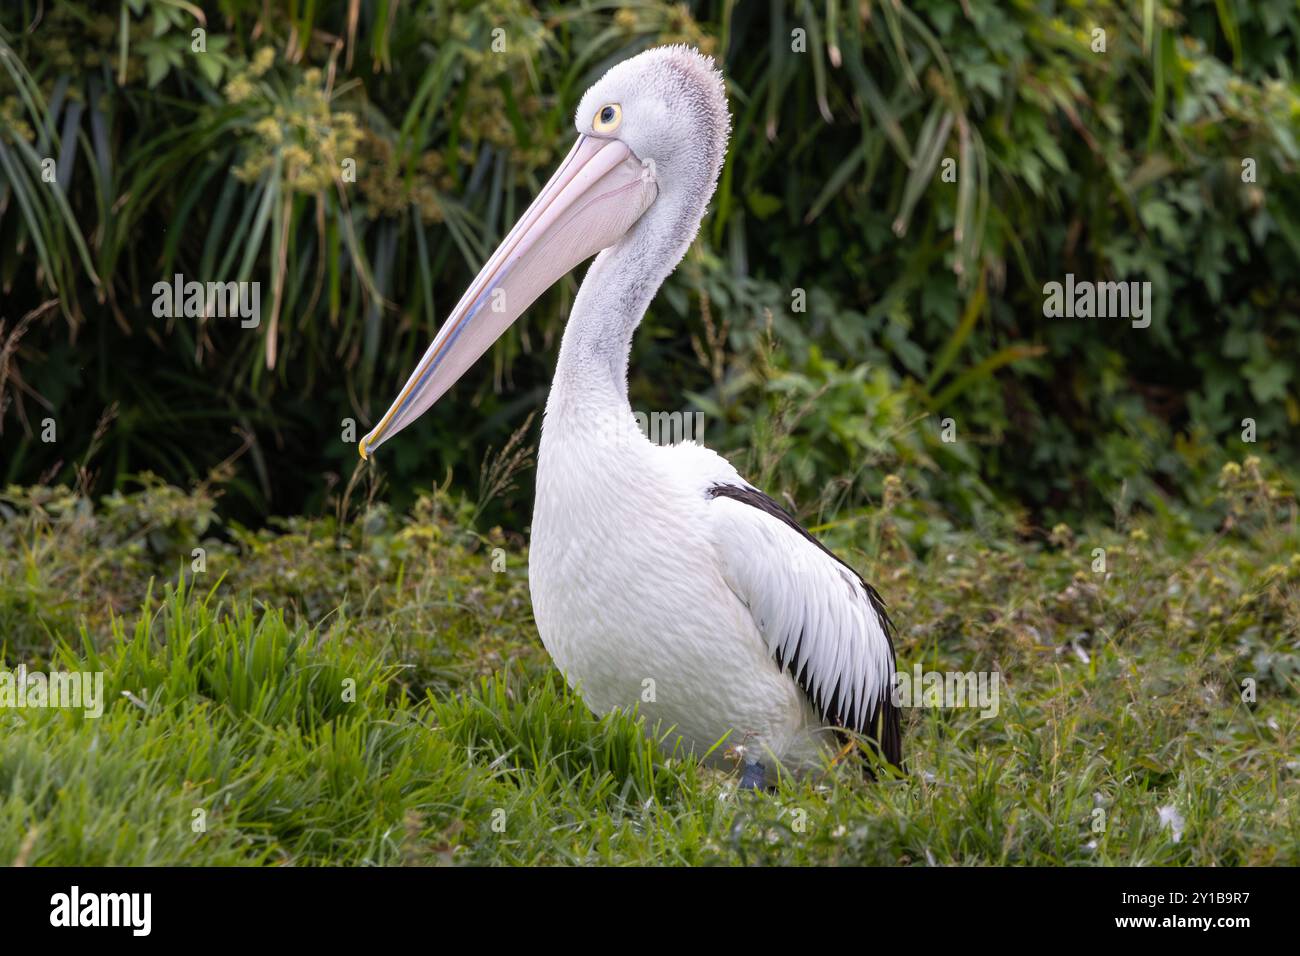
[(668, 106), (651, 132)]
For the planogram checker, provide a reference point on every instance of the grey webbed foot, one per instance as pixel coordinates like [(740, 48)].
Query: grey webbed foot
[(754, 776)]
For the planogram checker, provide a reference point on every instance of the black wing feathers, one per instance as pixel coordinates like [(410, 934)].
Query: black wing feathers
[(882, 722)]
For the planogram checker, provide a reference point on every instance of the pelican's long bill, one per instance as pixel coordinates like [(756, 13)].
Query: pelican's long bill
[(595, 196)]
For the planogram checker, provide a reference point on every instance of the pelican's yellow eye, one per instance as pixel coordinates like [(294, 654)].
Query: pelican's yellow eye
[(607, 118)]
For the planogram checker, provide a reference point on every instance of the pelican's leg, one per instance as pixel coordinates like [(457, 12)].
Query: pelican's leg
[(754, 776)]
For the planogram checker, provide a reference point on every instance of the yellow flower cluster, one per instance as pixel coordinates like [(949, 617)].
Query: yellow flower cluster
[(1247, 491), (499, 37), (240, 88), (675, 25), (301, 132), (893, 492), (384, 185), (12, 120), (488, 121), (75, 41), (263, 60), (1062, 536)]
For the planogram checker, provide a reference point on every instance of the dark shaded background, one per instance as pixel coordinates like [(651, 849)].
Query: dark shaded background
[(924, 297)]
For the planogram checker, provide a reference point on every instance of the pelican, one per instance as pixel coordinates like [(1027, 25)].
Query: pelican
[(661, 580)]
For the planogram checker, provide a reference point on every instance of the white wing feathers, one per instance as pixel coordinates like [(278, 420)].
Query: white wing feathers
[(821, 622)]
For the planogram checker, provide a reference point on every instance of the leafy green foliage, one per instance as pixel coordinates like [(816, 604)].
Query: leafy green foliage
[(229, 163)]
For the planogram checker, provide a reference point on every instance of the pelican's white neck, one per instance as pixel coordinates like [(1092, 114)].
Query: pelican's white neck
[(591, 375)]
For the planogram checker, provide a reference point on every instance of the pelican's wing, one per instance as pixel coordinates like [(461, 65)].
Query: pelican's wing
[(822, 623)]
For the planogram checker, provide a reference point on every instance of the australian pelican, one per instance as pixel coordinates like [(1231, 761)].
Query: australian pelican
[(660, 578)]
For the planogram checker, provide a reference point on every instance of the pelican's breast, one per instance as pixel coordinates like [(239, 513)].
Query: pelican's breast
[(631, 604)]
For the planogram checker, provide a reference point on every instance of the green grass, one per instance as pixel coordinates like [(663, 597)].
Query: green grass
[(373, 692)]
